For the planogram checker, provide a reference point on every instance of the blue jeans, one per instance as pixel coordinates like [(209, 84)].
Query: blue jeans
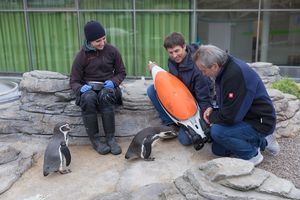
[(166, 120), (239, 139)]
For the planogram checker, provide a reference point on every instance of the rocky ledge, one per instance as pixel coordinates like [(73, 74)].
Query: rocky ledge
[(221, 178)]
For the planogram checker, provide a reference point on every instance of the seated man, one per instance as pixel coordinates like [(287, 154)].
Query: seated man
[(181, 65)]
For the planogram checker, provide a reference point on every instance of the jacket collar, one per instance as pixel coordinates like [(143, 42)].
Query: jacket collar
[(88, 47), (223, 68)]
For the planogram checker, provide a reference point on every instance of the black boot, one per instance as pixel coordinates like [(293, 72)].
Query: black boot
[(108, 120), (91, 127)]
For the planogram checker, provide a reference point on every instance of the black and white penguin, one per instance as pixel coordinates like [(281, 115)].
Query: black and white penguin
[(57, 155), (141, 145)]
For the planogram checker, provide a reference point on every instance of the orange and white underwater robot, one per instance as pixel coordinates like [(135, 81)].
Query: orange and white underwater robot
[(180, 105)]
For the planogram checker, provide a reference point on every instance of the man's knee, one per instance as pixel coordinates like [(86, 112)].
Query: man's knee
[(107, 96), (151, 91), (219, 150), (88, 98), (216, 132)]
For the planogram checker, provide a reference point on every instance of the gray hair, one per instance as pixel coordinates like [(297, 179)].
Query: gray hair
[(209, 54)]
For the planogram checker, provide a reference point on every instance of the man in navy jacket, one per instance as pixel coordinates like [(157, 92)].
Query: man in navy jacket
[(244, 122), (181, 65)]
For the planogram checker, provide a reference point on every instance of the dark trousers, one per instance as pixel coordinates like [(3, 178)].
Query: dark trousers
[(103, 101), (239, 139)]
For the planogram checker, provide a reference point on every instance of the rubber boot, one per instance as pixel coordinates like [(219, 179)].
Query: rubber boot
[(91, 127), (108, 120)]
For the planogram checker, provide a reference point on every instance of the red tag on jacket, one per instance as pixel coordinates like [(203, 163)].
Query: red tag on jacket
[(231, 95)]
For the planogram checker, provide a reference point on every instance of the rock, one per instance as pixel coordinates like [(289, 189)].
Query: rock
[(44, 82), (277, 186), (234, 186), (20, 157), (184, 186), (8, 154), (222, 168), (267, 71), (248, 182)]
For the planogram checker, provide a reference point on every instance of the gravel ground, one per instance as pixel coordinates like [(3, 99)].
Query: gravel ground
[(287, 163)]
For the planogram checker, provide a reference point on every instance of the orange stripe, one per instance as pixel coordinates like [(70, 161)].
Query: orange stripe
[(175, 96)]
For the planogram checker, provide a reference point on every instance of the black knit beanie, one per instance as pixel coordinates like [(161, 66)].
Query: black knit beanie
[(93, 30)]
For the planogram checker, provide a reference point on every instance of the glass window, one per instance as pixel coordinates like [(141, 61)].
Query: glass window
[(54, 40), (51, 4), (119, 33), (280, 38), (280, 4), (227, 4), (159, 4), (13, 45), (105, 4), (11, 4), (234, 32), (151, 34)]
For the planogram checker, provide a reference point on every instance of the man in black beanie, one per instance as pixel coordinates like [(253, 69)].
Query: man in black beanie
[(96, 74)]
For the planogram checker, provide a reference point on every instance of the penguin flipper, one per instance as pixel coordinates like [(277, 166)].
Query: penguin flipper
[(66, 152), (148, 147), (167, 135)]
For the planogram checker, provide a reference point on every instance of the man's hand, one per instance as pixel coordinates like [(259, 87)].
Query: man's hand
[(85, 88), (206, 114), (151, 65), (109, 84)]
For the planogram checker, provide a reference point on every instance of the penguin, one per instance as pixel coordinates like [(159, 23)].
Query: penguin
[(141, 145), (57, 154)]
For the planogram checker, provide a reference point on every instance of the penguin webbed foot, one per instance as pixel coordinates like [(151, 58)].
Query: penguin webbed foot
[(149, 159), (65, 171)]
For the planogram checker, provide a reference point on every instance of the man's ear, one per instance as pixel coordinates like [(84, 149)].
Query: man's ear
[(215, 67)]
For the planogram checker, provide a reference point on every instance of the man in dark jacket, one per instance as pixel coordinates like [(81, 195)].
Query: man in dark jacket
[(244, 122), (97, 72), (181, 65)]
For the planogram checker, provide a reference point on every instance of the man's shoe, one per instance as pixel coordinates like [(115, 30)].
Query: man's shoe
[(256, 160), (272, 147)]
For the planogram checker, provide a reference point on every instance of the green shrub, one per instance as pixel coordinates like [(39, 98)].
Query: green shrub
[(287, 86)]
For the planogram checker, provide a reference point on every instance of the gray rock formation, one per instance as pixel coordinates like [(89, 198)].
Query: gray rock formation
[(221, 178), (287, 112), (47, 99), (16, 156), (267, 71)]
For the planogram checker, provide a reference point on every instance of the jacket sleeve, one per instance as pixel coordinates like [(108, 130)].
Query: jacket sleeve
[(77, 72), (237, 101), (202, 90), (120, 72)]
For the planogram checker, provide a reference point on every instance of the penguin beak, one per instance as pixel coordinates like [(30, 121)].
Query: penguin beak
[(68, 127)]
